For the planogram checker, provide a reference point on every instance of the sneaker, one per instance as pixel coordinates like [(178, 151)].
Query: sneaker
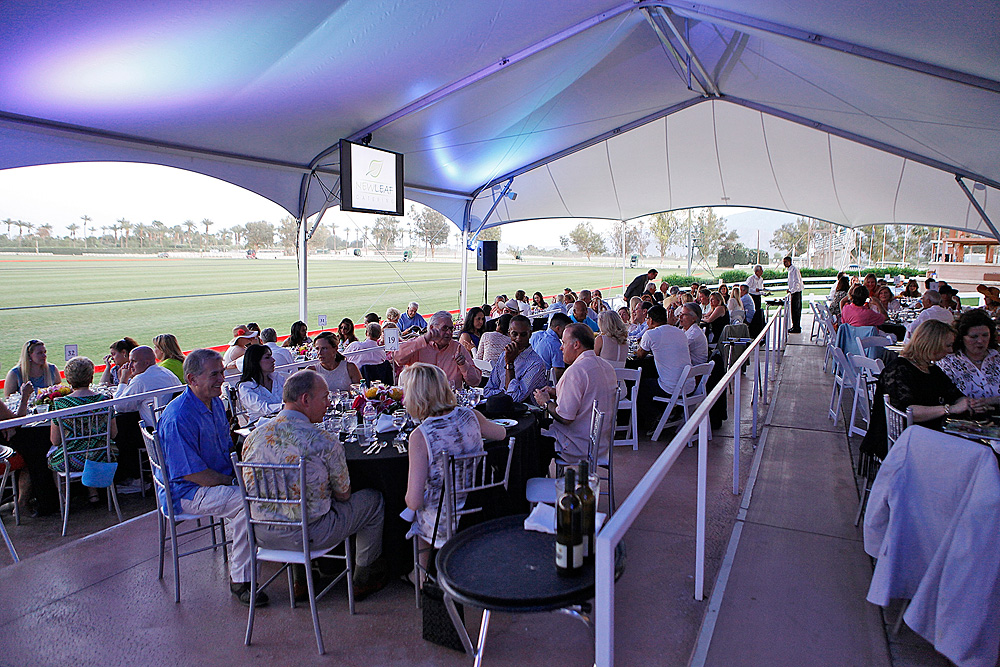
[(242, 592)]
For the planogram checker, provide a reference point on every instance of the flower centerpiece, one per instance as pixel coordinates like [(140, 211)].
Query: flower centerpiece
[(46, 395), (303, 350), (386, 399)]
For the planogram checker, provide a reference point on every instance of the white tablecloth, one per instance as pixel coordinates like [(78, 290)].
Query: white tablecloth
[(933, 523)]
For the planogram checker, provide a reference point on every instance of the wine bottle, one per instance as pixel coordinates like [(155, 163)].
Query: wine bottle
[(588, 509), (569, 528)]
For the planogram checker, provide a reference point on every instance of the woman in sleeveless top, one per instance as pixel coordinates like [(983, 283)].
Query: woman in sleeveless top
[(612, 341), (444, 429), (717, 318), (492, 343), (338, 372), (79, 373), (33, 367)]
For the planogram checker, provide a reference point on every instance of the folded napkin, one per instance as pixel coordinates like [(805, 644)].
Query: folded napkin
[(384, 424), (543, 519)]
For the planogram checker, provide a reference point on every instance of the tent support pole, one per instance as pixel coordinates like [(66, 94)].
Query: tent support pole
[(464, 296), (979, 209), (302, 257), (624, 284)]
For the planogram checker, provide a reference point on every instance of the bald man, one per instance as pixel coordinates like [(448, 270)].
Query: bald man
[(139, 375)]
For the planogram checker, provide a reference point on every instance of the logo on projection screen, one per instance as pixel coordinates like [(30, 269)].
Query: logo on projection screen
[(377, 188)]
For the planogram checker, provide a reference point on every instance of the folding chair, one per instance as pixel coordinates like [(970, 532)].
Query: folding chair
[(844, 376), (464, 474), (86, 436), (5, 455), (866, 372), (629, 402), (168, 517), (8, 467), (282, 484), (896, 421), (733, 341), (687, 402), (872, 346)]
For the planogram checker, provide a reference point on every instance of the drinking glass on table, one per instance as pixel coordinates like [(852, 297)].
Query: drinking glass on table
[(399, 420), (349, 424)]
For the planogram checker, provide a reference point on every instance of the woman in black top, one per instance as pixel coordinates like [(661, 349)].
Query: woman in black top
[(913, 381)]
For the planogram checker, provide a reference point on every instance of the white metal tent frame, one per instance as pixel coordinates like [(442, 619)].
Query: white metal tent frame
[(670, 21)]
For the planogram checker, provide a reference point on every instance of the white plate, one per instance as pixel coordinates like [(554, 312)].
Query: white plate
[(506, 423)]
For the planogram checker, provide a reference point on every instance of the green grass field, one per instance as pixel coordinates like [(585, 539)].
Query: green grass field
[(201, 300)]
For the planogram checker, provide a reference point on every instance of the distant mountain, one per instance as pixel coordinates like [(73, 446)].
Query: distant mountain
[(747, 224)]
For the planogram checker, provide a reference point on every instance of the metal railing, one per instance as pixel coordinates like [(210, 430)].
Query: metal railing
[(772, 339)]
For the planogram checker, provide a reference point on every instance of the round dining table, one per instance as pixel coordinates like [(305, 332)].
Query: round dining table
[(387, 471)]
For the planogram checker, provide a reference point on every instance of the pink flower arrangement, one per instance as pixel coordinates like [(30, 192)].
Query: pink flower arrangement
[(386, 399)]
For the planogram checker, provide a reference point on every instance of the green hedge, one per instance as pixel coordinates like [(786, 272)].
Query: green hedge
[(739, 275)]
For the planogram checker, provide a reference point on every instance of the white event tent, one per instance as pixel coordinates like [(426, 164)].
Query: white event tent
[(858, 112)]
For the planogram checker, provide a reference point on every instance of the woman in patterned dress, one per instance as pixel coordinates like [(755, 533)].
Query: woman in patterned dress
[(444, 429), (974, 366)]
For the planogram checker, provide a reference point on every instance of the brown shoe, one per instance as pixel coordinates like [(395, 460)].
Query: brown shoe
[(370, 579)]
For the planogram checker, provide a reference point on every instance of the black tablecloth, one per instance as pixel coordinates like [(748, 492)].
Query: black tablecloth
[(521, 576), (32, 443), (387, 472)]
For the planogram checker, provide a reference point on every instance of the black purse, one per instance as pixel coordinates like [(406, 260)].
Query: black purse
[(437, 625)]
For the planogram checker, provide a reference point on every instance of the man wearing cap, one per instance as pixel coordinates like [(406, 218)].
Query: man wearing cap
[(638, 284), (411, 322), (242, 339)]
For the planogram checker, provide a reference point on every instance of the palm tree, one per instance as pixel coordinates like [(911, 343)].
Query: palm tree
[(72, 230), (125, 226), (30, 226), (45, 231), (86, 222), (190, 226), (238, 232), (9, 223), (159, 229)]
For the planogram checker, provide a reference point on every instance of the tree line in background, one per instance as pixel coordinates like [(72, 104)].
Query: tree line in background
[(428, 229), (422, 227)]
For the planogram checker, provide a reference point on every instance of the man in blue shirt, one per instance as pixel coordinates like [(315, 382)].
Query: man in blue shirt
[(410, 322), (747, 301), (519, 371), (546, 343), (581, 315), (194, 435)]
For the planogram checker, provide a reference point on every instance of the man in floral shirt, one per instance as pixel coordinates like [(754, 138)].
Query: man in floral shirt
[(334, 512)]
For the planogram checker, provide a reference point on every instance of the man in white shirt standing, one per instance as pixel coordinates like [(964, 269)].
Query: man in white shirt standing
[(755, 285), (795, 293)]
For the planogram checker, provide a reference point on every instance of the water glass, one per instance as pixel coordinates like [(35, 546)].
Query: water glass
[(399, 420), (350, 423)]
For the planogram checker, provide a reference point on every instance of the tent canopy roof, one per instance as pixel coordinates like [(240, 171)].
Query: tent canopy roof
[(857, 113)]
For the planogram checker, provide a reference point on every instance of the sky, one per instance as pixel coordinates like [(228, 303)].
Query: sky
[(105, 191)]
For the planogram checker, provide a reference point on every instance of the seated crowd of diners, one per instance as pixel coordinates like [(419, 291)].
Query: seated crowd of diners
[(560, 354)]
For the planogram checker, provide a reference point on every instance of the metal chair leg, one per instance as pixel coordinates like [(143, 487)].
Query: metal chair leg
[(864, 501)]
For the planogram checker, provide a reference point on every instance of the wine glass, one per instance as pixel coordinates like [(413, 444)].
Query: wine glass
[(399, 420)]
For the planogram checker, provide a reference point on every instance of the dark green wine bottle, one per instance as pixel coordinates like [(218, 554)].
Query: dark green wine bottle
[(569, 529), (588, 509)]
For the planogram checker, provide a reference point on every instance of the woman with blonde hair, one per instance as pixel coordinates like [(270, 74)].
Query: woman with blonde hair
[(612, 339), (914, 381), (168, 354), (444, 428), (33, 367)]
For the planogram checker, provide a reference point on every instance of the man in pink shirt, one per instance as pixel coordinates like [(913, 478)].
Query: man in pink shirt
[(857, 313), (571, 401), (437, 347)]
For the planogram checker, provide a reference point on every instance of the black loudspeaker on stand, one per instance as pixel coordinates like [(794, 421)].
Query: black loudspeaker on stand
[(486, 261)]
